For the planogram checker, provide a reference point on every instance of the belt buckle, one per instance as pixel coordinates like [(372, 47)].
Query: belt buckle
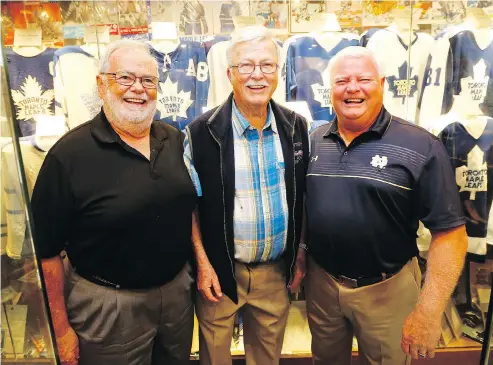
[(349, 282)]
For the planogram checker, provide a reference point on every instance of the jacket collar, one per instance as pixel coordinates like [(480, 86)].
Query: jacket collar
[(220, 122), (102, 130), (379, 127)]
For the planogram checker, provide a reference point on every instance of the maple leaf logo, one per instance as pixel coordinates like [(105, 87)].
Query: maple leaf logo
[(474, 176), (475, 87), (172, 103), (92, 102), (31, 100), (321, 93), (401, 86)]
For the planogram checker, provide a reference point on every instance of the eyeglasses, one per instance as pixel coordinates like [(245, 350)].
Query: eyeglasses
[(248, 68), (128, 79)]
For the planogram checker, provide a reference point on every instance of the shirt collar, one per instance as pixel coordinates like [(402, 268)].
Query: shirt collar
[(241, 124), (104, 132), (379, 127)]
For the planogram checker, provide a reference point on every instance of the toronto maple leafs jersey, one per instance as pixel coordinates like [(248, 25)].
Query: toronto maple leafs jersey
[(306, 73), (471, 155), (183, 83), (76, 95), (403, 64), (31, 82), (459, 67)]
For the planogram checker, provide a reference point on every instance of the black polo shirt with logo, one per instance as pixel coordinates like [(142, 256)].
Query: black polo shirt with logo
[(123, 219), (364, 201)]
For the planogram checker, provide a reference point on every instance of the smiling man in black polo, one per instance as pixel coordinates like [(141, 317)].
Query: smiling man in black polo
[(371, 178)]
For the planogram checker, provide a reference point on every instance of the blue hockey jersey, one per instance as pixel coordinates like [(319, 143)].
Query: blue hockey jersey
[(471, 157), (31, 82), (306, 73), (183, 83)]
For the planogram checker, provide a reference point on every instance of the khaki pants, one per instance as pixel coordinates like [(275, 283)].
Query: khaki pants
[(132, 327), (263, 295), (374, 313)]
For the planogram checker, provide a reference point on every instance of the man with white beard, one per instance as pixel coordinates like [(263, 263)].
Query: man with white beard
[(116, 195)]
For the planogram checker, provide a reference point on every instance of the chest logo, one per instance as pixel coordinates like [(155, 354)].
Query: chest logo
[(400, 86), (31, 99), (379, 162)]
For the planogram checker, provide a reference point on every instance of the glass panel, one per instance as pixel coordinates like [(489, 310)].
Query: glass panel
[(25, 324), (435, 57)]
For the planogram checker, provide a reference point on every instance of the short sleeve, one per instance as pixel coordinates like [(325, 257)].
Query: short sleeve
[(439, 202), (52, 207), (187, 157)]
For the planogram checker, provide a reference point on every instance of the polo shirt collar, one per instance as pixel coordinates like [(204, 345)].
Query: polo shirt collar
[(379, 127), (101, 129), (241, 124)]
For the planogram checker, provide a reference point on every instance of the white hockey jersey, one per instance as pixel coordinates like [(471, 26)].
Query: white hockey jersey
[(76, 95), (403, 64)]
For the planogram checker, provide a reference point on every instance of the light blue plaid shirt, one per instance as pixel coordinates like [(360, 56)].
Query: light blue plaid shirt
[(260, 208)]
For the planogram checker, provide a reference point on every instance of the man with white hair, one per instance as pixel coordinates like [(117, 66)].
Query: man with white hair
[(116, 195), (250, 156), (372, 177)]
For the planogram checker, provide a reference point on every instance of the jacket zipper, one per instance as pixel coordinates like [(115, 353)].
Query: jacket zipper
[(224, 202), (294, 203)]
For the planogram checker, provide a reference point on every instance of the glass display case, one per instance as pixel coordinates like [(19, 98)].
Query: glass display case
[(25, 322), (436, 56)]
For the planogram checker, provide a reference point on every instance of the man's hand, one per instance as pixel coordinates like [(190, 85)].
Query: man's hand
[(299, 270), (208, 283), (421, 334), (68, 348)]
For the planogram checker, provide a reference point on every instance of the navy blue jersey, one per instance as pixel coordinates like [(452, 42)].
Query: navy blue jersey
[(307, 75), (471, 158), (183, 83), (31, 81)]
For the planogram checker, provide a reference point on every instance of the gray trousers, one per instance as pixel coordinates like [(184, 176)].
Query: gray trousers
[(132, 327)]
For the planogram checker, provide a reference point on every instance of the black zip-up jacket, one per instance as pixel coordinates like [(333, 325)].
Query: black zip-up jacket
[(211, 142)]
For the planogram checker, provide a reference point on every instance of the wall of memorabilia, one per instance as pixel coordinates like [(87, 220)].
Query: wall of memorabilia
[(436, 56)]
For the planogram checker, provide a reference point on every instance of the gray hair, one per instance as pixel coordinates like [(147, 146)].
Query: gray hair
[(355, 52), (248, 34), (104, 62)]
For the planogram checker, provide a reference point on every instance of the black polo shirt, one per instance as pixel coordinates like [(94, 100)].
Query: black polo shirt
[(121, 218), (363, 202)]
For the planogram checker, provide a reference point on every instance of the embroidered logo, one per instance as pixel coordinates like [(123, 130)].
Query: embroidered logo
[(379, 162)]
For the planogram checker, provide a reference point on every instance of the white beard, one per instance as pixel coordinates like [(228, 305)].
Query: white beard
[(123, 115)]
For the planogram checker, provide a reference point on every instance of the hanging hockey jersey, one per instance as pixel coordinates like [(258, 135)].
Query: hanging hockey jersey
[(183, 83), (461, 65), (192, 18), (76, 95), (306, 73), (470, 147), (229, 9), (402, 62), (31, 82)]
